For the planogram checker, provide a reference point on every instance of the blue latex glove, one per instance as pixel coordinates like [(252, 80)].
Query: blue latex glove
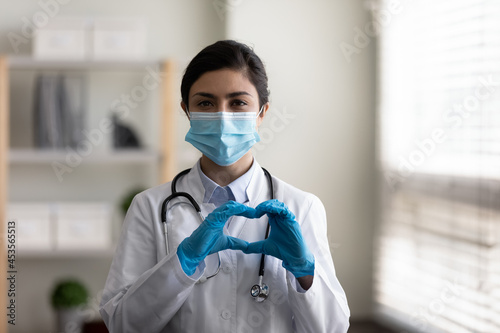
[(285, 239), (209, 238)]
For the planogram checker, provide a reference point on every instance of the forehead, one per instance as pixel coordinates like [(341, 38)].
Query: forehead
[(222, 82)]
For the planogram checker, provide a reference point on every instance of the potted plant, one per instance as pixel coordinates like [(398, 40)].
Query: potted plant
[(126, 201), (68, 299)]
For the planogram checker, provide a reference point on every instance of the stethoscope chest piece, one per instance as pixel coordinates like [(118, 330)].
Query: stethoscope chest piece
[(259, 292)]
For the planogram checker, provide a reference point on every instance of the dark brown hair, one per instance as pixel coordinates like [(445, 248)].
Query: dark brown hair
[(231, 55)]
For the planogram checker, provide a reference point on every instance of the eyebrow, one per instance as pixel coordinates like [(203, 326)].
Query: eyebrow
[(230, 95)]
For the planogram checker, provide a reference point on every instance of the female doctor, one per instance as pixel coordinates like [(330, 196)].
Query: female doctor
[(205, 274)]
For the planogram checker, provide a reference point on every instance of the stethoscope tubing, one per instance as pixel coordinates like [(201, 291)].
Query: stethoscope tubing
[(268, 228), (174, 194)]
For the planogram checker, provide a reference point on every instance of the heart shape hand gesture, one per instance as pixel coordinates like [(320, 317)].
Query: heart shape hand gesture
[(285, 240)]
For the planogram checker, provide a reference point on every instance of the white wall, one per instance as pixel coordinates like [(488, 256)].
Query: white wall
[(327, 145), (176, 28)]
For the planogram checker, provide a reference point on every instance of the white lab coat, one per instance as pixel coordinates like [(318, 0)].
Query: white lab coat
[(147, 290)]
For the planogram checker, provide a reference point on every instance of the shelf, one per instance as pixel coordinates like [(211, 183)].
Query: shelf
[(30, 63), (65, 254), (39, 156)]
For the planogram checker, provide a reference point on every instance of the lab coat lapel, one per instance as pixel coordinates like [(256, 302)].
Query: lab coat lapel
[(182, 218), (258, 190), (191, 183)]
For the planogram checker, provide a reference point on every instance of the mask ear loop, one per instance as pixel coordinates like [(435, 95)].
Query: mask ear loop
[(261, 109), (188, 113)]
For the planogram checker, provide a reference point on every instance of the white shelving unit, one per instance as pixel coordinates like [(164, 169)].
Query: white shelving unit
[(30, 63), (118, 167), (37, 156), (68, 254), (156, 157)]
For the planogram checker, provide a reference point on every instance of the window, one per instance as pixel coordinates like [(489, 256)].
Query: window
[(437, 255)]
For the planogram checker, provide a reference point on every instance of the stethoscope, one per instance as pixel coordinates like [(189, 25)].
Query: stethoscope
[(259, 291)]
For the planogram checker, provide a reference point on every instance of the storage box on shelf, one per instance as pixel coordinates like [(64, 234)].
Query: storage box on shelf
[(118, 38), (88, 38), (62, 228), (83, 226), (62, 38), (34, 232)]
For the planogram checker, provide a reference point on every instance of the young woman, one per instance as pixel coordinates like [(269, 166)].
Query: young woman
[(256, 257)]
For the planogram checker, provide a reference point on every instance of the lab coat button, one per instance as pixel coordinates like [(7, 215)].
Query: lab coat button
[(227, 269), (226, 314)]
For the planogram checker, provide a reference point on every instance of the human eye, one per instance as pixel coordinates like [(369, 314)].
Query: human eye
[(204, 104), (239, 103)]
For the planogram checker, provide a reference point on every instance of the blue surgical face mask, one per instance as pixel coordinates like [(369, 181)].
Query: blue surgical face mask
[(224, 137)]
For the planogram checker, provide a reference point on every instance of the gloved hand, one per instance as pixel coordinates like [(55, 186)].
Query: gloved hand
[(209, 238), (285, 239)]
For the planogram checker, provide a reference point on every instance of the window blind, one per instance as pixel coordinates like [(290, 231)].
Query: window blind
[(437, 252)]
